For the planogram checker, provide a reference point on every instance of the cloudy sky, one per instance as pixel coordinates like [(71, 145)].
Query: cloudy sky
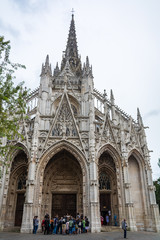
[(121, 38)]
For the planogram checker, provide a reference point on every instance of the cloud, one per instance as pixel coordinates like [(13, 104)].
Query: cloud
[(9, 28), (153, 113)]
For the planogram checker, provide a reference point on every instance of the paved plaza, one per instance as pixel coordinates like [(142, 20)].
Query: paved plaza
[(88, 236)]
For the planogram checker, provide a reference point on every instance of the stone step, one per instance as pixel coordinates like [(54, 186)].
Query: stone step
[(111, 229), (12, 229)]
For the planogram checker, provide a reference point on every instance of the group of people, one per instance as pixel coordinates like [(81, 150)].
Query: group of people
[(107, 220), (65, 225)]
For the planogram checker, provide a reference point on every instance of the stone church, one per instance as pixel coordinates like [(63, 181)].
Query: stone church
[(80, 154)]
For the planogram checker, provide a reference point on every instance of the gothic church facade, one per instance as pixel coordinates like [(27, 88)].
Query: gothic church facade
[(80, 153)]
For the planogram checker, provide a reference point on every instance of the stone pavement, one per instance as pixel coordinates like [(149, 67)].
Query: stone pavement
[(88, 236)]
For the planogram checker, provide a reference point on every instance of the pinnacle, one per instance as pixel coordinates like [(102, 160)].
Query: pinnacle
[(112, 97), (139, 117), (87, 62), (46, 68), (47, 60)]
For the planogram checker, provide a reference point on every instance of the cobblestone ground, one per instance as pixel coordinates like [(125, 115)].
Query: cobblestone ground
[(88, 236)]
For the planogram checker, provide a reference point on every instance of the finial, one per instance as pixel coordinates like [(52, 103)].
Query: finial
[(104, 94)]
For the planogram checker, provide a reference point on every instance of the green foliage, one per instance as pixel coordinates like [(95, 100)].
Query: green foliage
[(12, 98), (157, 185)]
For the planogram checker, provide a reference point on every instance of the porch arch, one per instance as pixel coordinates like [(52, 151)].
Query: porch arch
[(44, 160), (113, 169), (136, 165), (16, 188)]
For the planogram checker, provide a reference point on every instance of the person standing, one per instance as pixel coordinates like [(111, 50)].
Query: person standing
[(84, 225), (35, 222), (115, 220), (109, 214), (87, 225), (102, 220), (124, 227), (46, 224), (67, 226), (43, 225), (107, 220)]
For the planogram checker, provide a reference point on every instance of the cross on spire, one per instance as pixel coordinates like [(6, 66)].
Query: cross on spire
[(72, 11)]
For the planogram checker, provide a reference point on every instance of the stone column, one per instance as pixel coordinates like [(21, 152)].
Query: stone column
[(153, 205), (94, 191), (94, 199), (27, 220), (129, 206), (156, 216)]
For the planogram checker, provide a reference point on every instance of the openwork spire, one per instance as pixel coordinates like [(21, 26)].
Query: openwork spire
[(71, 52), (71, 48)]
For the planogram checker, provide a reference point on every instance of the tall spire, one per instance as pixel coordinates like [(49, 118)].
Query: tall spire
[(71, 52), (71, 48)]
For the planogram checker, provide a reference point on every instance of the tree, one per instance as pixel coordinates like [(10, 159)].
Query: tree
[(157, 185), (12, 98)]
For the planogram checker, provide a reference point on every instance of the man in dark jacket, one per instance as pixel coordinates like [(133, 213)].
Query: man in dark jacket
[(124, 227)]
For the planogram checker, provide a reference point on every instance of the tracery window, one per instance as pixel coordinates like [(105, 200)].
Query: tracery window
[(104, 182), (22, 181), (74, 109)]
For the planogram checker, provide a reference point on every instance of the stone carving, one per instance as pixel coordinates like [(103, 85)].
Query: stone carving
[(64, 125)]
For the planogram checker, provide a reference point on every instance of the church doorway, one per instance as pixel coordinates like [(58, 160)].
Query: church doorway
[(19, 209), (108, 189), (62, 190), (64, 204), (105, 205), (16, 190)]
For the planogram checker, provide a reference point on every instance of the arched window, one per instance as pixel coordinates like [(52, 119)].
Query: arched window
[(74, 109), (22, 181), (104, 182)]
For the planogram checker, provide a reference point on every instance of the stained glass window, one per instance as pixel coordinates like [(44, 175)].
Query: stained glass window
[(104, 182)]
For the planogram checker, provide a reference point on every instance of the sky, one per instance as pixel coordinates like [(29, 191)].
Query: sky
[(121, 38)]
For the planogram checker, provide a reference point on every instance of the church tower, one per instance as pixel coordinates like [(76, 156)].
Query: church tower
[(80, 154)]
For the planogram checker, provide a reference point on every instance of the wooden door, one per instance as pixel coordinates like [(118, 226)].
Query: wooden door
[(63, 204), (19, 209), (105, 204)]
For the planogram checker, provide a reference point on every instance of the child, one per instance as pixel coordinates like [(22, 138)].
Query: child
[(79, 226), (67, 227)]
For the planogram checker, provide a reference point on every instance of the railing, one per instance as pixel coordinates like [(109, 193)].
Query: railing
[(99, 104), (32, 100)]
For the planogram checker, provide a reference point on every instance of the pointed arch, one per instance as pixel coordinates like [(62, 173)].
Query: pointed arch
[(19, 146), (16, 176), (44, 160), (112, 151), (109, 162), (134, 152), (136, 166)]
